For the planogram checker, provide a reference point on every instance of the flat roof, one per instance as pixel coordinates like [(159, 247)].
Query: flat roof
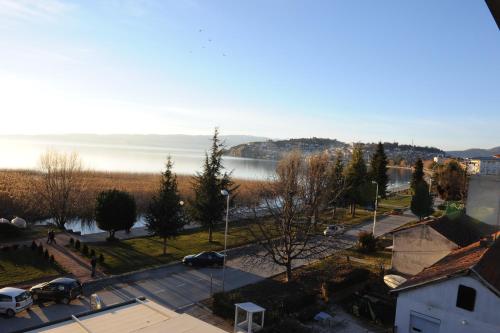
[(142, 316)]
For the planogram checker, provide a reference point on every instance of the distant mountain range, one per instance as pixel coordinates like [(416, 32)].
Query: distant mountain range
[(201, 142), (474, 152)]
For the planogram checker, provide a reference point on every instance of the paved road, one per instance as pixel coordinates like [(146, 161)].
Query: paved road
[(178, 287)]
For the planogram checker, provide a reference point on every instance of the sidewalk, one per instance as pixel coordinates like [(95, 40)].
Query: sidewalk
[(74, 264)]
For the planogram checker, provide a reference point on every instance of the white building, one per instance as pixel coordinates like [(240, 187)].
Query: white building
[(421, 245), (458, 294), (484, 166)]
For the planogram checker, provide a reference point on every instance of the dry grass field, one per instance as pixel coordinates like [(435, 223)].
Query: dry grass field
[(17, 196)]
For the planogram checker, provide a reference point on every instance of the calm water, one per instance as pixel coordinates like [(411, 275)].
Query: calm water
[(24, 154)]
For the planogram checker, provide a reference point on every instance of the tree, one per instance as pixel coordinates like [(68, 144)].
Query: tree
[(314, 179), (356, 179), (165, 216), (378, 170), (115, 210), (208, 205), (290, 234), (60, 185), (451, 181), (418, 174), (336, 187), (421, 201)]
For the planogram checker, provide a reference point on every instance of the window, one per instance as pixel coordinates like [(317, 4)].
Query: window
[(5, 298), (466, 298)]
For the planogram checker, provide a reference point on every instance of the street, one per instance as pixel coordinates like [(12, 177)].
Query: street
[(179, 287)]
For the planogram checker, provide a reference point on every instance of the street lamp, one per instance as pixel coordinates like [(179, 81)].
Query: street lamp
[(375, 212), (226, 194)]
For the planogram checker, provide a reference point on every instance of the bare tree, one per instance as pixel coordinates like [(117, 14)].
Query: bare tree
[(314, 182), (60, 185), (290, 236)]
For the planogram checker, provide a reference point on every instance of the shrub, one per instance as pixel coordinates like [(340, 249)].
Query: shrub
[(52, 259), (101, 258), (347, 277), (92, 252), (289, 325), (85, 250), (8, 230), (367, 242), (46, 254), (77, 244), (71, 242), (40, 249), (33, 246)]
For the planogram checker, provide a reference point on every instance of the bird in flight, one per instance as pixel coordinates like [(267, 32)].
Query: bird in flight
[(201, 30)]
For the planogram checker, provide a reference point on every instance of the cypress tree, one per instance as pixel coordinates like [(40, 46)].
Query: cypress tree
[(165, 215), (418, 174), (356, 176), (421, 201), (209, 204), (378, 170)]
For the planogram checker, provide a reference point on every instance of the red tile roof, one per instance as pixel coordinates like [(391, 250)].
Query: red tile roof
[(478, 258)]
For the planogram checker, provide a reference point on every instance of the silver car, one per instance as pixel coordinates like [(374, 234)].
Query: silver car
[(14, 300), (334, 230)]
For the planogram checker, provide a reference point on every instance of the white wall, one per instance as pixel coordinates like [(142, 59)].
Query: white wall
[(483, 198), (438, 300), (417, 248)]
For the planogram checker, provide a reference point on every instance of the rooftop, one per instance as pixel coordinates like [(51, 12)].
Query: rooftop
[(461, 230), (479, 258), (139, 315)]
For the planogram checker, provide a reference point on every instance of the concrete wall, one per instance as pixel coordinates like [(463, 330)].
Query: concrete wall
[(438, 301), (417, 248), (483, 198)]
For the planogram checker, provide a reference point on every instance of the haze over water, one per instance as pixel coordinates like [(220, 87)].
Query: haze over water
[(18, 153)]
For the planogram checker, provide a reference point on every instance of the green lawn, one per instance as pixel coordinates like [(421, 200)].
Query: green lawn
[(396, 201), (17, 266), (372, 259), (30, 233), (137, 253)]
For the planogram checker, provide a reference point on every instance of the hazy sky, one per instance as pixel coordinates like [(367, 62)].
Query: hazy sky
[(427, 71)]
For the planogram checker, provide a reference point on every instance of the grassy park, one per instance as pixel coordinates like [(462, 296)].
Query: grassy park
[(22, 265), (137, 253)]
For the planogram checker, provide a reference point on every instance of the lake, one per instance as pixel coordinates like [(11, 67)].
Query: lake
[(16, 153)]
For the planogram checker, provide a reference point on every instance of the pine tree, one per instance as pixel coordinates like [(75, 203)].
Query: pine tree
[(421, 201), (208, 205), (378, 170), (418, 174), (165, 216), (336, 183), (356, 176)]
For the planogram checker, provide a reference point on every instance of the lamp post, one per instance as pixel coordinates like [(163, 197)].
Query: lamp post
[(226, 194), (375, 212)]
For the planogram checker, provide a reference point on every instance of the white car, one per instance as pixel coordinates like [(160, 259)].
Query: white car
[(14, 300), (334, 230)]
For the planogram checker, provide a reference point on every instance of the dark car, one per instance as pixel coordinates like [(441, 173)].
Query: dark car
[(62, 290), (204, 259)]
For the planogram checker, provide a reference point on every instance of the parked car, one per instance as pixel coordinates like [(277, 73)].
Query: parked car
[(397, 211), (62, 290), (204, 259), (14, 300), (334, 230)]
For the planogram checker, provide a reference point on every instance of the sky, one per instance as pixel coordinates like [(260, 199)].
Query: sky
[(426, 72)]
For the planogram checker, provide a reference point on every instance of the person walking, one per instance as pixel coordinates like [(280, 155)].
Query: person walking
[(52, 237), (93, 263), (49, 236)]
